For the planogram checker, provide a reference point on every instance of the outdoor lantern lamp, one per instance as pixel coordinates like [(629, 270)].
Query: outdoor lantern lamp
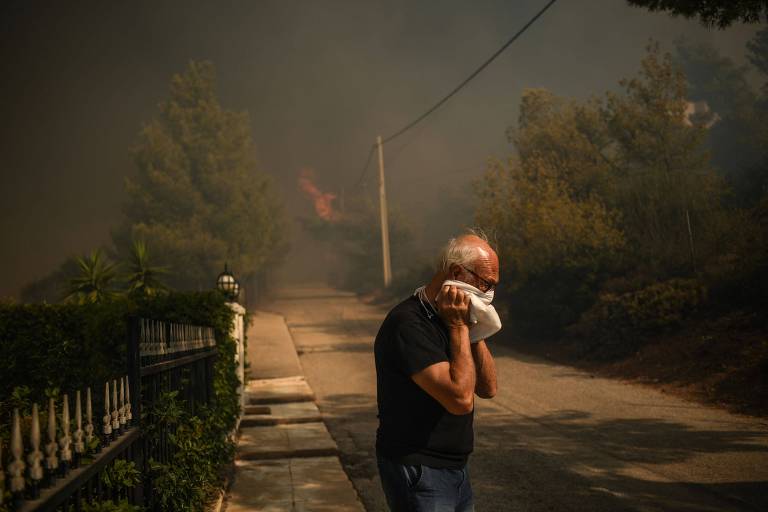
[(227, 284)]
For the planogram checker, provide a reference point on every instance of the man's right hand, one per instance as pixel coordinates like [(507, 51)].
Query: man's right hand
[(453, 306), (452, 383)]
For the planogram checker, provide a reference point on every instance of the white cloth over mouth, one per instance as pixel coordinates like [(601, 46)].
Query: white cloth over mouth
[(483, 318)]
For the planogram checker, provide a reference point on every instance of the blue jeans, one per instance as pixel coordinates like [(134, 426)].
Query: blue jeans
[(418, 488)]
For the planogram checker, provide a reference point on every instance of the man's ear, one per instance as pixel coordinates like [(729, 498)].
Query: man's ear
[(454, 271)]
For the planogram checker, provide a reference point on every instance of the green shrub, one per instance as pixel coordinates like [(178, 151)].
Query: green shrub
[(121, 475), (617, 322), (200, 448)]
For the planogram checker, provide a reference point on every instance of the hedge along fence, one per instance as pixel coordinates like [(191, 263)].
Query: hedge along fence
[(48, 350)]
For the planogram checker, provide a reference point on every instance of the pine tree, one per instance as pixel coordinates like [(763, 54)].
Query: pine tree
[(198, 198)]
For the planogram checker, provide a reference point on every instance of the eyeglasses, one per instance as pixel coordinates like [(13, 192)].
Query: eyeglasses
[(485, 286)]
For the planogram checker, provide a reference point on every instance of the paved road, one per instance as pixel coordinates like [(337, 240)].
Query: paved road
[(554, 438)]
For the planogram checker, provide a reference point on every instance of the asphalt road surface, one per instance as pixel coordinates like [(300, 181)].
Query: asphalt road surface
[(554, 438)]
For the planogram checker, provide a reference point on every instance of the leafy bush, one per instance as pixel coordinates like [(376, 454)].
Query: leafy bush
[(620, 321), (199, 451), (120, 475)]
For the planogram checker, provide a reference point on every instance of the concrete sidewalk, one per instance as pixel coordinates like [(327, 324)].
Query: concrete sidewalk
[(286, 459)]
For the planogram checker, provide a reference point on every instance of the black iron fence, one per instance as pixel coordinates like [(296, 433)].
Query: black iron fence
[(74, 466)]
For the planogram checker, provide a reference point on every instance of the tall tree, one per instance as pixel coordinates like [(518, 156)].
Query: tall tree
[(664, 181), (198, 197), (554, 233), (619, 186), (721, 13)]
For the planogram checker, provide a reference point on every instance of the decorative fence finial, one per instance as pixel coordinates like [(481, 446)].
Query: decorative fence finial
[(88, 417), (107, 414), (16, 468), (163, 342), (128, 415), (162, 345), (79, 445), (65, 441), (115, 420), (51, 461), (35, 457), (121, 410)]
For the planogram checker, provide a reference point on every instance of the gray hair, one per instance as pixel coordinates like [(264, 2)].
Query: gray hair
[(458, 251)]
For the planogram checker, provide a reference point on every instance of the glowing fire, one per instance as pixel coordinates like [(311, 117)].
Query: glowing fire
[(323, 200)]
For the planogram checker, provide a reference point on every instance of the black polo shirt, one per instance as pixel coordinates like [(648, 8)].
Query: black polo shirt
[(413, 427)]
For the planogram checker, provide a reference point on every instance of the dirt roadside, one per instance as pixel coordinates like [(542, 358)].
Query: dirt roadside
[(720, 361)]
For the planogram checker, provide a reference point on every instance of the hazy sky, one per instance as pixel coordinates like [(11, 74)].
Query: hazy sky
[(320, 80)]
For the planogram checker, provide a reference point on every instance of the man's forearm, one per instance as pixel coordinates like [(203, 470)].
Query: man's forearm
[(485, 369), (463, 372)]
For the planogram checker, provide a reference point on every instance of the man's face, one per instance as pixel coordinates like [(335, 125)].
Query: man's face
[(483, 273)]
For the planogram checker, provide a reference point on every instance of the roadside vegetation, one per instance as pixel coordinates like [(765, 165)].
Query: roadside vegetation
[(53, 349), (197, 199), (196, 202), (632, 227), (639, 219)]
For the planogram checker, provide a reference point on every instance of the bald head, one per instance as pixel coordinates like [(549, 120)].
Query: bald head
[(470, 251)]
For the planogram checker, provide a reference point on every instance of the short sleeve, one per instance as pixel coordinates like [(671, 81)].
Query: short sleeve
[(416, 348)]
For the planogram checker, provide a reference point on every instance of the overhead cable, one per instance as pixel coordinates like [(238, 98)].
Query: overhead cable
[(454, 91), (470, 77)]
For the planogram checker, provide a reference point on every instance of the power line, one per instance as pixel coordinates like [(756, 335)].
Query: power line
[(454, 91), (470, 77), (391, 159)]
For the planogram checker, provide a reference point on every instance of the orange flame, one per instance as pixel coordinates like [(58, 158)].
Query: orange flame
[(323, 200)]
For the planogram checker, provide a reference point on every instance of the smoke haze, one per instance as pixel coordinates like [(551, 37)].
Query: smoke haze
[(320, 80)]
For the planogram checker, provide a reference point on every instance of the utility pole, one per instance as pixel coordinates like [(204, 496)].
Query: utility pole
[(384, 223)]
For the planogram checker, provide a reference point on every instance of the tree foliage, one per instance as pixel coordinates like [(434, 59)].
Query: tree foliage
[(720, 13), (554, 234), (611, 195), (662, 173), (197, 196)]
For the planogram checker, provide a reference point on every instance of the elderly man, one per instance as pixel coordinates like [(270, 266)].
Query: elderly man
[(427, 373)]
